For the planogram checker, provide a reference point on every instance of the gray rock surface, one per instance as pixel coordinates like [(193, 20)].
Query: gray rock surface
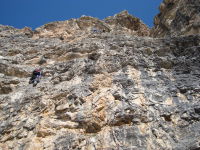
[(177, 17), (108, 90)]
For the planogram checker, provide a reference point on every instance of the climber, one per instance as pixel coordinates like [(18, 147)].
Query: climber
[(36, 76), (95, 30)]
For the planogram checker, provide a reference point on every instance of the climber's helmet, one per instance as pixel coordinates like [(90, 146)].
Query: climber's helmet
[(37, 70)]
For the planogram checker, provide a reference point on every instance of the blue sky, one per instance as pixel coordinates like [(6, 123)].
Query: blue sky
[(34, 13)]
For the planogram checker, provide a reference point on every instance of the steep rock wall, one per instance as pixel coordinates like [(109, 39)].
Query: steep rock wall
[(177, 17), (76, 29), (99, 90)]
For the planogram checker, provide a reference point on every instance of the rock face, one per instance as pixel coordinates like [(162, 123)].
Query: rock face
[(76, 29), (107, 88), (177, 17)]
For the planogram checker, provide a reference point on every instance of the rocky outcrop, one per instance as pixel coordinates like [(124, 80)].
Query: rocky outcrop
[(124, 21), (100, 90), (177, 17), (75, 29)]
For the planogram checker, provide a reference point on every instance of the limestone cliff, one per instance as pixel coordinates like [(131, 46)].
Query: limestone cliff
[(106, 85), (177, 17), (76, 29)]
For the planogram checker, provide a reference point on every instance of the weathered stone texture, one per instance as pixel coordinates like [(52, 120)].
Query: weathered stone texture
[(108, 90), (177, 17)]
